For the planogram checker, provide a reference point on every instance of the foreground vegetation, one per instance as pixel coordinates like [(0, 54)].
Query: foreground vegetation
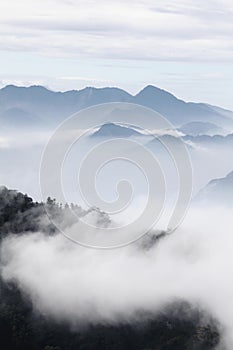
[(179, 326)]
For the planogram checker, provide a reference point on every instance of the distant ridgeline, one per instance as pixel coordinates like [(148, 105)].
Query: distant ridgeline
[(178, 326), (36, 106)]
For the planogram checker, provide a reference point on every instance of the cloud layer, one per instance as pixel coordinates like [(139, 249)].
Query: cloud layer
[(72, 283), (181, 31)]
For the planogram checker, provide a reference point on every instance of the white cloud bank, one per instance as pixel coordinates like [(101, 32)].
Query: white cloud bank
[(69, 282)]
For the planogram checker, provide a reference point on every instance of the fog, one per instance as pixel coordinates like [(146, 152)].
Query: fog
[(21, 153), (82, 285)]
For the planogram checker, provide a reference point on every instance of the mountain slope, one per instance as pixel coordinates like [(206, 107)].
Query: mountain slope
[(218, 191), (53, 107), (201, 128), (178, 111), (115, 130)]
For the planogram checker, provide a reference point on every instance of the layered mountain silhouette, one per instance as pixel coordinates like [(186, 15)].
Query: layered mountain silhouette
[(36, 104), (115, 130), (207, 140), (218, 191), (201, 128), (14, 116), (110, 130)]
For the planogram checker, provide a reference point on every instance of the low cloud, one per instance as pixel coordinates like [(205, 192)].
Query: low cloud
[(80, 285)]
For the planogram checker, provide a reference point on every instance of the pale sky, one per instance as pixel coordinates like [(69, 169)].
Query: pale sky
[(183, 46)]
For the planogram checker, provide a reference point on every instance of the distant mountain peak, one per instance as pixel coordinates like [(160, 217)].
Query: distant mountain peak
[(218, 191), (151, 89), (56, 106), (110, 129), (15, 87), (230, 176)]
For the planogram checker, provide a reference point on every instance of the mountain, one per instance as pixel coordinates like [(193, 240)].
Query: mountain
[(223, 111), (201, 128), (207, 140), (115, 130), (53, 107), (12, 116), (178, 111), (218, 191)]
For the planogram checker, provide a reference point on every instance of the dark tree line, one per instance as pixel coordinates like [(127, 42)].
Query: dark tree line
[(179, 327), (18, 213)]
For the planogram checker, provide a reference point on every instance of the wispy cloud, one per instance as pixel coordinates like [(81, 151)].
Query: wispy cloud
[(168, 31)]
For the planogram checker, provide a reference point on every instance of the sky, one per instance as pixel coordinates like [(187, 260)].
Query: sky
[(183, 46)]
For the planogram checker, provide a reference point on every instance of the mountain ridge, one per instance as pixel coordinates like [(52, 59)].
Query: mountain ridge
[(54, 107), (219, 190)]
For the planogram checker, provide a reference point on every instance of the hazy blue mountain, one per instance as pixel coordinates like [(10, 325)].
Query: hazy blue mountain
[(223, 111), (178, 111), (13, 116), (115, 130), (53, 107), (201, 128), (206, 140), (218, 191)]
